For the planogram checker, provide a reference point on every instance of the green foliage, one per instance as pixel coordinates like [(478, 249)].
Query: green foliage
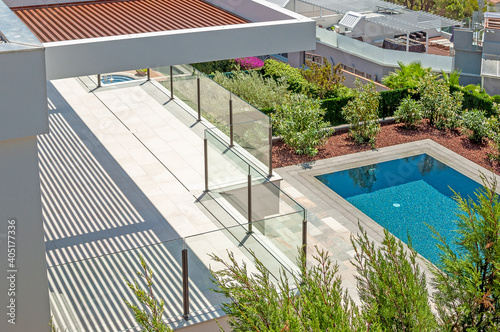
[(452, 78), (468, 280), (333, 110), (211, 67), (299, 122), (254, 88), (391, 286), (362, 114), (474, 99), (493, 125), (409, 112), (296, 82), (312, 301), (407, 76), (326, 78), (474, 122), (441, 107), (390, 100), (150, 316), (457, 9)]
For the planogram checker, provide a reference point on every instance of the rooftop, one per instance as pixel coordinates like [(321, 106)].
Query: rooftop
[(103, 18), (387, 14)]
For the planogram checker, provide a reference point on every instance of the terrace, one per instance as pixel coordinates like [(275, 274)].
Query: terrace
[(132, 159)]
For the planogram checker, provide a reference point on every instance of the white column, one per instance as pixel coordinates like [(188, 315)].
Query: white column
[(407, 42), (427, 41)]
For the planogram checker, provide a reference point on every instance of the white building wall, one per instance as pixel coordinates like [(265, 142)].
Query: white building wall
[(27, 294)]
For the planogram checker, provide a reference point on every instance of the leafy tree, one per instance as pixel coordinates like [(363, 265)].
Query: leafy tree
[(457, 9), (467, 279), (362, 114), (391, 286), (299, 122), (409, 112), (150, 316), (326, 78), (314, 300), (407, 76)]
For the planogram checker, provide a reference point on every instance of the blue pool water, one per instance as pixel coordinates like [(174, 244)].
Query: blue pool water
[(108, 79), (404, 195)]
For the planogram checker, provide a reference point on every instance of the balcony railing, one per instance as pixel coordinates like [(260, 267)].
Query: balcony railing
[(382, 56)]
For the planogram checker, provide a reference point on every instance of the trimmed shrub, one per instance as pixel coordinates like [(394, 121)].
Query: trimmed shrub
[(300, 124), (409, 112), (441, 107), (474, 123), (362, 114)]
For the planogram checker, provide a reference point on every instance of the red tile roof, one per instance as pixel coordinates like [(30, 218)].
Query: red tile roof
[(103, 18)]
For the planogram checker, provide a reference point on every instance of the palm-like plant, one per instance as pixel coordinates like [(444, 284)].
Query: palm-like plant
[(407, 76), (452, 78)]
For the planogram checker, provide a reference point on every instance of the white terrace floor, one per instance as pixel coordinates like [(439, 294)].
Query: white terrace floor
[(120, 174)]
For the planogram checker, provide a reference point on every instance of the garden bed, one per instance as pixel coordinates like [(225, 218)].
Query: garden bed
[(392, 134)]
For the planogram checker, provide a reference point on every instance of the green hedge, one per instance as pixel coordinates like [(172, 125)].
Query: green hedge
[(333, 110), (475, 101), (390, 100)]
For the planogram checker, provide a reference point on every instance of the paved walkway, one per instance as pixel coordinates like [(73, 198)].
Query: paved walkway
[(120, 176)]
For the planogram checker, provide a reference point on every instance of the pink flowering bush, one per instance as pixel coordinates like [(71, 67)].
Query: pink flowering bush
[(249, 63)]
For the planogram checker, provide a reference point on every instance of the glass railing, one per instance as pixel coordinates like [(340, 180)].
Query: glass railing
[(246, 194), (242, 122), (380, 55), (490, 65), (90, 295)]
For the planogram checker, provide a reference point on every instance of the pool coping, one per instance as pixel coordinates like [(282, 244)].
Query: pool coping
[(322, 201)]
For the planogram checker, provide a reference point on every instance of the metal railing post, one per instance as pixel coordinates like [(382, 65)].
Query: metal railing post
[(199, 98), (231, 130), (171, 82), (185, 284), (148, 71), (270, 151), (304, 235), (249, 215), (205, 152), (98, 80)]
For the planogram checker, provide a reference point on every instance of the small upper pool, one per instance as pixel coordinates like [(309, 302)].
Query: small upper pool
[(109, 79), (404, 195)]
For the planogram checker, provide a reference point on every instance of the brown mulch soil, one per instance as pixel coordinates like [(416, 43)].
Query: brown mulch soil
[(392, 134)]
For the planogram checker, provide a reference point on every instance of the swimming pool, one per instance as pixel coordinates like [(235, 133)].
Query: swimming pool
[(404, 195), (109, 79)]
